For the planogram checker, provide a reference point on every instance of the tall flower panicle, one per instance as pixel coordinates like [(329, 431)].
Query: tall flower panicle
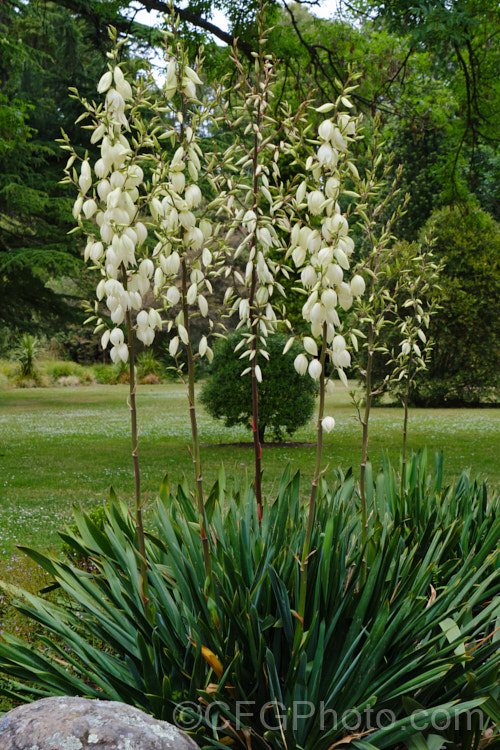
[(321, 248), (148, 238)]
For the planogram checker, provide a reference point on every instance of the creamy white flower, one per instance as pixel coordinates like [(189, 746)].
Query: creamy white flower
[(300, 364), (122, 85), (338, 140), (172, 295), (187, 219), (202, 347), (310, 346), (189, 88), (357, 286), (194, 238), (299, 256), (172, 263), (308, 276), (346, 124), (325, 130), (105, 82), (327, 156), (85, 179), (315, 369), (315, 201), (203, 305), (341, 257), (328, 423), (89, 208), (303, 235), (332, 187), (329, 299), (192, 196), (146, 268), (96, 251), (116, 336), (318, 313), (345, 296), (206, 228), (173, 346)]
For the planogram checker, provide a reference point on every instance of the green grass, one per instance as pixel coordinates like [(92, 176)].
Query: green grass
[(64, 446)]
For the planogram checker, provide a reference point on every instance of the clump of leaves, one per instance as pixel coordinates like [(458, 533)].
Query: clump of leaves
[(25, 353), (414, 642)]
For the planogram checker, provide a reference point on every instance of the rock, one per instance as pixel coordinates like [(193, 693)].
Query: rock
[(65, 723)]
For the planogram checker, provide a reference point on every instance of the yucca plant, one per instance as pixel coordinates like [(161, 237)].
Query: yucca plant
[(407, 656), (26, 352)]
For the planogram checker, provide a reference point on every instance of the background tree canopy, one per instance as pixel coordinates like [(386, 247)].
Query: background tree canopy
[(430, 70)]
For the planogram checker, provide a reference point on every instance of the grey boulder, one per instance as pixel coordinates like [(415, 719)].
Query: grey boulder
[(66, 723)]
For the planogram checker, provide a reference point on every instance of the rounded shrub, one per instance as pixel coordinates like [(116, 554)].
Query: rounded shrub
[(465, 364), (286, 400)]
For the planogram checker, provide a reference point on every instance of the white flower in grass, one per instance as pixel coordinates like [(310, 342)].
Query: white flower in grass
[(328, 424)]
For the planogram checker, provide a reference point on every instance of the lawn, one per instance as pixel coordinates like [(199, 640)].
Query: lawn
[(60, 446)]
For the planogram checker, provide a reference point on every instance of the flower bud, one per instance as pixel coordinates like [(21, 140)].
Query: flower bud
[(173, 346), (192, 293), (89, 208), (310, 346), (105, 82), (203, 305)]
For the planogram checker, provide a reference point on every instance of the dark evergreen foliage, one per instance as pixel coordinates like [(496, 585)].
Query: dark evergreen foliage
[(286, 399)]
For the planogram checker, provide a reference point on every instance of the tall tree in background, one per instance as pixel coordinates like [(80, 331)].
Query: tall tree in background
[(44, 50)]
